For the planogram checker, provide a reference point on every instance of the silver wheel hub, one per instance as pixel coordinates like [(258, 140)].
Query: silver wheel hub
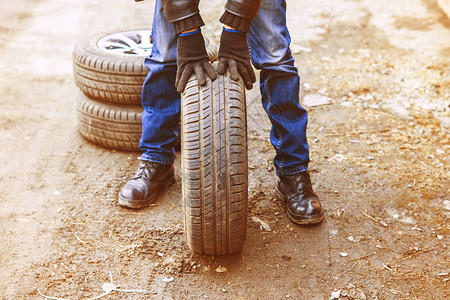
[(130, 43)]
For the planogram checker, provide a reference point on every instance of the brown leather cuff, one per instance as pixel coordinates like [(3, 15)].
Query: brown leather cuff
[(188, 23), (235, 21)]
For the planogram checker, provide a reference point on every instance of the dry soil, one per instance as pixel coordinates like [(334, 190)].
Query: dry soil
[(379, 151)]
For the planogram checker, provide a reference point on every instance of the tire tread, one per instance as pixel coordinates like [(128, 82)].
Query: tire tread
[(215, 186)]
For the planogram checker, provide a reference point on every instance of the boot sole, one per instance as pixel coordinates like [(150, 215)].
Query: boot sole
[(300, 220), (136, 204)]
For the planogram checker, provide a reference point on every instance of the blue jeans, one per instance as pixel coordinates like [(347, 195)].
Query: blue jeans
[(279, 86)]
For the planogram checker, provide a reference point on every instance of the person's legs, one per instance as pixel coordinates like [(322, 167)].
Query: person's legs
[(160, 118), (160, 99), (279, 85)]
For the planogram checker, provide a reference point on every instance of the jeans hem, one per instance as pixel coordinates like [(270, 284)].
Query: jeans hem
[(156, 159), (292, 171)]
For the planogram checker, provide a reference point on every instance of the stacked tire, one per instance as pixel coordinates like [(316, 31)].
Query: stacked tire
[(109, 69)]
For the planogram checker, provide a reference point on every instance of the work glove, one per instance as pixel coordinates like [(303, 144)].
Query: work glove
[(234, 54), (192, 58)]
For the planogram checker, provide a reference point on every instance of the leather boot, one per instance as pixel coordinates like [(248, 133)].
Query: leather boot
[(141, 190), (303, 205)]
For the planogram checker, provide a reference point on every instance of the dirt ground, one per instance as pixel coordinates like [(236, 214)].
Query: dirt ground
[(379, 150)]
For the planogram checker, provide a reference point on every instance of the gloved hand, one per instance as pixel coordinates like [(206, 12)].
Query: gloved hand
[(234, 54), (192, 58)]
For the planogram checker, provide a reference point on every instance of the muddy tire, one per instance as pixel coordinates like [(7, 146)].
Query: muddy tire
[(109, 125), (110, 67), (214, 165)]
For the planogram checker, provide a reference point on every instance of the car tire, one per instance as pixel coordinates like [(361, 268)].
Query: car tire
[(214, 165), (110, 67), (109, 125)]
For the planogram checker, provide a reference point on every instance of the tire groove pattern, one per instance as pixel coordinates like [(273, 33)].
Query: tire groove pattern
[(108, 125), (112, 77), (214, 166)]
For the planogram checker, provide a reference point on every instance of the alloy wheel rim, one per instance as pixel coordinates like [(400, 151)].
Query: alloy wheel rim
[(129, 43)]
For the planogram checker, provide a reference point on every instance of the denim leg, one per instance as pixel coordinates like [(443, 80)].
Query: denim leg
[(160, 99), (279, 85)]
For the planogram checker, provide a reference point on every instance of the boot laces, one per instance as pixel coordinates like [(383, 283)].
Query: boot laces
[(140, 170)]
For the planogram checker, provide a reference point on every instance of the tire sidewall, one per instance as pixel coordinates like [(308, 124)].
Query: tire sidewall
[(90, 47)]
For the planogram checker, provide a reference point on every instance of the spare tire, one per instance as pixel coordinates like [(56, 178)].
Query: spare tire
[(114, 126), (214, 165), (110, 67), (110, 125)]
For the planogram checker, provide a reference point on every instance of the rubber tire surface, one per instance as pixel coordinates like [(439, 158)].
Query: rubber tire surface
[(113, 77), (110, 125), (215, 166)]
